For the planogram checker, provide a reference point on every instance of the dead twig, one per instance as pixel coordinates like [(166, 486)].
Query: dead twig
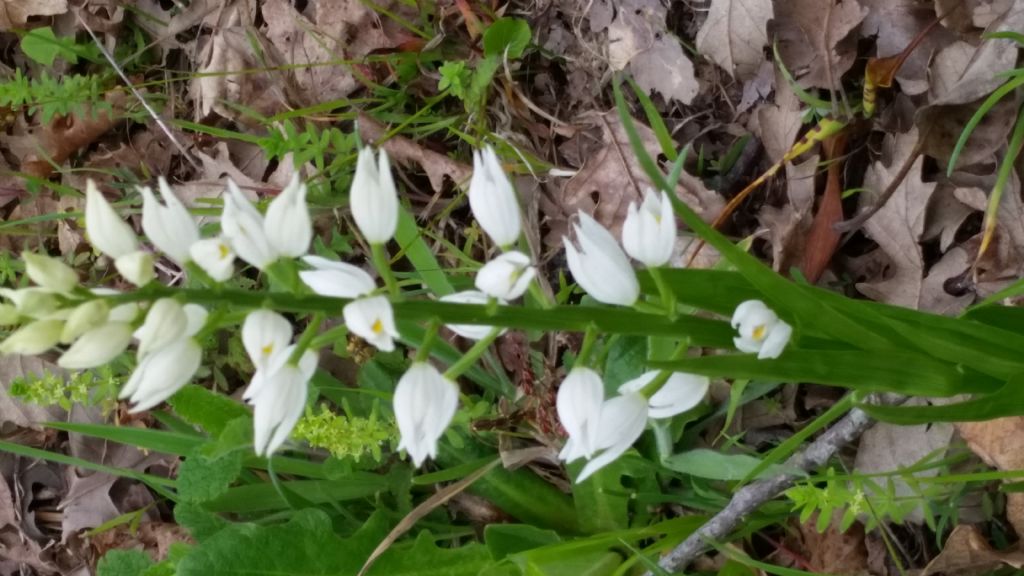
[(853, 224), (752, 496)]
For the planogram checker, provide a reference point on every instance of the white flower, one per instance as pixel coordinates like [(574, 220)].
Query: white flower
[(169, 226), (34, 338), (649, 234), (242, 225), (288, 225), (760, 330), (83, 318), (167, 368), (680, 393), (471, 331), (374, 198), (281, 400), (31, 302), (579, 407), (162, 373), (265, 334), (600, 266), (337, 279), (621, 422), (214, 256), (372, 320), (50, 273), (97, 346), (165, 322), (136, 267), (506, 276), (493, 199), (107, 231), (424, 402)]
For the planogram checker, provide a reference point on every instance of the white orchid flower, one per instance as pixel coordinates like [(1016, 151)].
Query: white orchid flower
[(288, 225), (492, 199), (112, 236), (680, 393), (649, 233), (33, 338), (471, 331), (622, 420), (578, 404), (97, 346), (425, 403), (760, 330), (374, 198), (280, 400), (372, 320), (337, 279), (600, 266), (50, 273), (168, 225), (507, 276), (214, 256)]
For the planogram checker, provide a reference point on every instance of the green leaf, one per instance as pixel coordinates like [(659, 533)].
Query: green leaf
[(505, 539), (511, 34), (481, 81), (201, 478), (262, 497), (626, 360), (307, 546), (206, 409), (123, 563), (199, 522), (420, 255), (1006, 401), (43, 46), (715, 465), (602, 502)]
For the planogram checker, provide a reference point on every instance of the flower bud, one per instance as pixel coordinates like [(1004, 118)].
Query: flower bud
[(165, 323), (760, 330), (168, 226), (599, 266), (579, 407), (281, 401), (506, 276), (8, 315), (372, 320), (50, 273), (649, 234), (34, 338), (425, 403), (242, 226), (493, 199), (374, 198), (337, 279), (83, 318), (107, 232), (136, 267), (288, 226), (31, 302), (97, 346), (162, 373)]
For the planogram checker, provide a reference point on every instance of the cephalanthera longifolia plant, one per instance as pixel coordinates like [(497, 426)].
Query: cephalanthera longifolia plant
[(745, 323)]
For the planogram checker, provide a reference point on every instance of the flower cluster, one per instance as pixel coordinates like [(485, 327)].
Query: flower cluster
[(56, 311)]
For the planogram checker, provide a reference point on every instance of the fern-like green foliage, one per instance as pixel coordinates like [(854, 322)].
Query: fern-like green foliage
[(90, 388), (49, 97), (345, 436)]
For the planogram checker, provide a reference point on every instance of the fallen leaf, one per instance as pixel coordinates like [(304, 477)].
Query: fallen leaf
[(815, 39), (8, 516), (1004, 261), (229, 72), (898, 225), (612, 178), (967, 553), (997, 443), (962, 80), (638, 39), (833, 551), (777, 128), (64, 136), (942, 126), (895, 24), (758, 87), (15, 13), (946, 214), (887, 447), (787, 225), (734, 35)]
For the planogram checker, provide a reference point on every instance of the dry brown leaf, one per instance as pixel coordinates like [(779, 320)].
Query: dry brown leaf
[(967, 553), (898, 225), (895, 24), (945, 216), (612, 178), (1004, 260), (758, 87), (788, 224), (639, 40), (832, 551), (998, 443), (887, 447), (777, 128), (405, 152), (156, 538), (15, 13), (814, 38), (734, 35), (945, 124), (962, 80), (228, 71), (64, 136)]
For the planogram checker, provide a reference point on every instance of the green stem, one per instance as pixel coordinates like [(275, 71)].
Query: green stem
[(589, 339), (655, 385), (472, 355), (307, 337), (668, 297), (538, 293), (382, 262), (328, 336), (423, 353)]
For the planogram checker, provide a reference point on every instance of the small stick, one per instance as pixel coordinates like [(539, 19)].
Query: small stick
[(853, 224), (752, 496)]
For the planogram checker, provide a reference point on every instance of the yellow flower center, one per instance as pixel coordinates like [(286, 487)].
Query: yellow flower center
[(377, 327), (224, 251), (267, 350), (759, 332)]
